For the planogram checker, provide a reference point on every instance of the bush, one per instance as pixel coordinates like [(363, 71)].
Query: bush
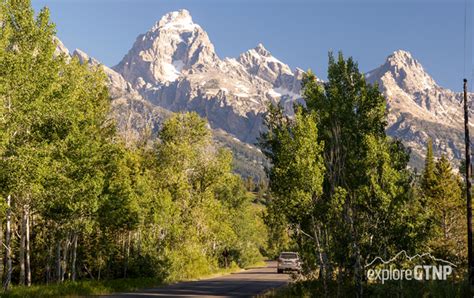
[(314, 288)]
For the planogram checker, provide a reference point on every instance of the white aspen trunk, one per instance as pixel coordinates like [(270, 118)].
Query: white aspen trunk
[(139, 242), (358, 270), (22, 247), (127, 255), (27, 238), (322, 266), (8, 235), (74, 257), (64, 261)]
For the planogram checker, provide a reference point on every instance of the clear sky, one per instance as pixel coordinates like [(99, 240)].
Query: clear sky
[(298, 32)]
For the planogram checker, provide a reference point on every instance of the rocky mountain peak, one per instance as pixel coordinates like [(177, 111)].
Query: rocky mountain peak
[(402, 56), (261, 63), (400, 68), (261, 50), (162, 55), (419, 109), (178, 20)]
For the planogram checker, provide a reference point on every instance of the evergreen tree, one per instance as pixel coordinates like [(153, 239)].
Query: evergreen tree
[(448, 213), (428, 178)]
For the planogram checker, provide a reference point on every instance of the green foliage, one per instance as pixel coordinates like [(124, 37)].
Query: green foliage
[(207, 195), (83, 288), (428, 178), (313, 288), (338, 181), (442, 193), (96, 208)]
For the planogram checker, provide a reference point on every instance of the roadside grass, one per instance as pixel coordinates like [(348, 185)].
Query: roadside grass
[(103, 287), (434, 289), (82, 288)]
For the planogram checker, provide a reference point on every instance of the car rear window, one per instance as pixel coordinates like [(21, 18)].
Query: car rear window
[(288, 255)]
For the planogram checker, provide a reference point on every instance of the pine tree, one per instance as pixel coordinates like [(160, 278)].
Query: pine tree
[(428, 176), (448, 212)]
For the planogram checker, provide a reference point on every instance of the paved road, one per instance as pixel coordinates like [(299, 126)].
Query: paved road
[(244, 284)]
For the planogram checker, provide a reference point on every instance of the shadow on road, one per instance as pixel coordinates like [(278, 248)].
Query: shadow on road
[(247, 283)]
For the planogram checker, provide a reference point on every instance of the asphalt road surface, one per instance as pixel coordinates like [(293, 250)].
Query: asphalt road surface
[(246, 283)]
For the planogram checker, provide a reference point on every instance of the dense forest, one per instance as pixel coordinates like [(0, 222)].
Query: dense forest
[(76, 203), (343, 189)]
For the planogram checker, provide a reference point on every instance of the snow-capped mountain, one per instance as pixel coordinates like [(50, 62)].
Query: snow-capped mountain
[(173, 46), (419, 108), (174, 65)]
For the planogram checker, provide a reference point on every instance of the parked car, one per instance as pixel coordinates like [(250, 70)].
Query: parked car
[(288, 261)]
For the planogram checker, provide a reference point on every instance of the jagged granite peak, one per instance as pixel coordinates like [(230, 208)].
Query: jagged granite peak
[(174, 65), (406, 71), (407, 85), (260, 62), (419, 109), (180, 19), (262, 50), (173, 46)]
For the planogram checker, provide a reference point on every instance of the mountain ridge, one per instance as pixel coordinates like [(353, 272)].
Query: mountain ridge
[(174, 66)]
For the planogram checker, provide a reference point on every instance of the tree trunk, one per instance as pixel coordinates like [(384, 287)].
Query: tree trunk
[(8, 235), (322, 265), (58, 261), (27, 238), (74, 257), (48, 264), (127, 256), (139, 242), (1, 251), (22, 247), (358, 270), (100, 267), (64, 261)]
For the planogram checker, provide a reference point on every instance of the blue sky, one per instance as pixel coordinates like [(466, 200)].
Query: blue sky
[(300, 33)]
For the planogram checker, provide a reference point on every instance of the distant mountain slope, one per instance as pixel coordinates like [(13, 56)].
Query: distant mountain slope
[(135, 116)]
